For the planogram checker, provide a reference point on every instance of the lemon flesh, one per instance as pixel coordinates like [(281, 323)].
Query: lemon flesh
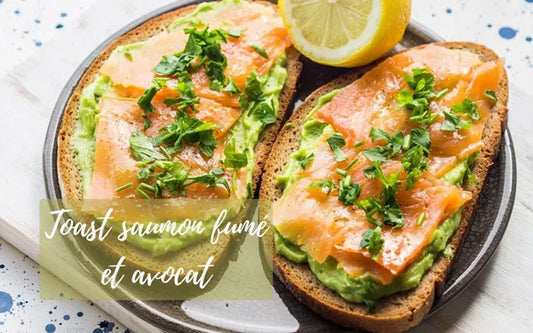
[(345, 32)]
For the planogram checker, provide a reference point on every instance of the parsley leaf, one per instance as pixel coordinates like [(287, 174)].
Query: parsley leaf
[(264, 112), (231, 88), (336, 142), (303, 158), (142, 148), (391, 148), (421, 84), (187, 99), (348, 191), (420, 137), (372, 241), (387, 206), (375, 154), (235, 33), (467, 107), (414, 163), (212, 178), (260, 50), (145, 101), (174, 64), (453, 122), (189, 130), (254, 87), (172, 177), (325, 185), (491, 95), (201, 49), (233, 159)]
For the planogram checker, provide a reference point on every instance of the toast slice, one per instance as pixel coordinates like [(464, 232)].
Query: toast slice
[(403, 310), (70, 175)]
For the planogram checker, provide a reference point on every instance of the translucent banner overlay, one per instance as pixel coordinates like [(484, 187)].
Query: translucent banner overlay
[(165, 249)]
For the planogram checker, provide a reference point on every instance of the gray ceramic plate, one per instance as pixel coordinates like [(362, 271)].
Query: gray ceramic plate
[(283, 313)]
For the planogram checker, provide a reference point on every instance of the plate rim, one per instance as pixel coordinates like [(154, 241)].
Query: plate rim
[(53, 183)]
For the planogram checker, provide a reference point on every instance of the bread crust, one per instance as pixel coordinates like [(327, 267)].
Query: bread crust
[(398, 312), (70, 175)]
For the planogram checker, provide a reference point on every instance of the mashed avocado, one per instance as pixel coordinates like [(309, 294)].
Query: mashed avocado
[(363, 287), (85, 130), (245, 132)]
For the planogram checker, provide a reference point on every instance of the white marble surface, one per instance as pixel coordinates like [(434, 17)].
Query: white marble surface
[(64, 32)]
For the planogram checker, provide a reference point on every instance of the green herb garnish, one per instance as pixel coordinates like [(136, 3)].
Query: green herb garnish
[(303, 158), (325, 185), (348, 191), (234, 159), (142, 148), (453, 122), (467, 107), (372, 241), (123, 187), (387, 205), (336, 142), (491, 95), (416, 99), (188, 130), (260, 50)]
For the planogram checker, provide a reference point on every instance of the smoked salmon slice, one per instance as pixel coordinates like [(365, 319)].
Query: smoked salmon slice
[(257, 24), (323, 226), (114, 165), (130, 69)]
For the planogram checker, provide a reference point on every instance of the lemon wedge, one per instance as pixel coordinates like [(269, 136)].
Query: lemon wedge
[(345, 33)]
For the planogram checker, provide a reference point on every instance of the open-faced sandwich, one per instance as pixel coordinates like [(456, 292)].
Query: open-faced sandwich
[(187, 104), (375, 181)]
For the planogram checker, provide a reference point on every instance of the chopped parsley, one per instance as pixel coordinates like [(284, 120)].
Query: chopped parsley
[(414, 163), (187, 99), (234, 159), (231, 88), (123, 187), (415, 146), (467, 107), (326, 186), (348, 190), (201, 50), (235, 33), (142, 148), (212, 178), (303, 158), (491, 95), (453, 122), (264, 112), (417, 98), (260, 50), (372, 241), (391, 148), (188, 130), (253, 91), (387, 206), (336, 142), (173, 177), (421, 219), (145, 101)]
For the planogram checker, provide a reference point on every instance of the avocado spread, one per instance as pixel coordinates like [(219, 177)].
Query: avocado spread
[(364, 287), (245, 132)]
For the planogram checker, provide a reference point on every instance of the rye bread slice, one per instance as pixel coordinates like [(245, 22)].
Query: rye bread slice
[(403, 310), (70, 175)]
